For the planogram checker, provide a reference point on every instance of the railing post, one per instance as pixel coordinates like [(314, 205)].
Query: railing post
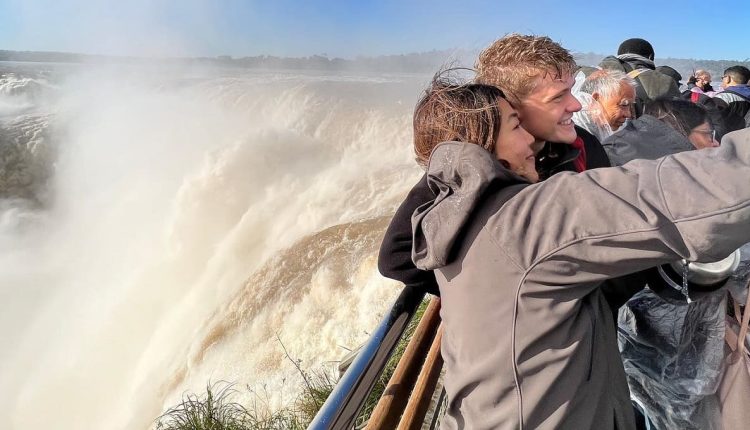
[(396, 395), (421, 395), (340, 410)]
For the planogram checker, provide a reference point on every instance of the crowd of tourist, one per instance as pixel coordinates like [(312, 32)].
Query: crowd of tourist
[(556, 201)]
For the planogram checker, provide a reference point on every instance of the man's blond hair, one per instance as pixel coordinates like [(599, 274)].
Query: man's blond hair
[(515, 61)]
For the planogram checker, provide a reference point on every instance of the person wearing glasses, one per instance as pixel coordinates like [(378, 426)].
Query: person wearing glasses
[(607, 98), (654, 323), (736, 91), (668, 126)]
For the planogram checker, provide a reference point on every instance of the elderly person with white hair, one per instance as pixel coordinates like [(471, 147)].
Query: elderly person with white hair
[(607, 97)]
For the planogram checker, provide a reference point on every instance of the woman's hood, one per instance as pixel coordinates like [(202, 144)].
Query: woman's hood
[(645, 137), (458, 174)]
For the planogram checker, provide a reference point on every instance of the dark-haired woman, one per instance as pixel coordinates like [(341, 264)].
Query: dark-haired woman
[(660, 331), (668, 126)]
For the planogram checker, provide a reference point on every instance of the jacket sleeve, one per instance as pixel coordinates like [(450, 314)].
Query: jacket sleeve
[(582, 228), (394, 259)]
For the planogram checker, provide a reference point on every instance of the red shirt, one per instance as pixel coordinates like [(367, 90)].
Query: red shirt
[(580, 161)]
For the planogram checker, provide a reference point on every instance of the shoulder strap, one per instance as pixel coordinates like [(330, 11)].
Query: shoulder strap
[(635, 72)]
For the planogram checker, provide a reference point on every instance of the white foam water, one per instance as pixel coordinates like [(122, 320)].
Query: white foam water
[(192, 224)]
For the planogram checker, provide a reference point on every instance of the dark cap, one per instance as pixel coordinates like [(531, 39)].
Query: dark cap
[(636, 46)]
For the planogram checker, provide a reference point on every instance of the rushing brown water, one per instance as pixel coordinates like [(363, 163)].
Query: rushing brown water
[(166, 228)]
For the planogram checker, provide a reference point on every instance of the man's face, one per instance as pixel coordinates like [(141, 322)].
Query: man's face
[(547, 111), (618, 107)]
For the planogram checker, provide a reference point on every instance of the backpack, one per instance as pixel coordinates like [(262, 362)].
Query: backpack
[(641, 97)]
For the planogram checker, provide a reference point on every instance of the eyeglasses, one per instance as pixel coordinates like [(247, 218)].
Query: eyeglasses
[(712, 133)]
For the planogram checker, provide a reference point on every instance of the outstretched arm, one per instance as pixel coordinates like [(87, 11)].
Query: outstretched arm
[(611, 222)]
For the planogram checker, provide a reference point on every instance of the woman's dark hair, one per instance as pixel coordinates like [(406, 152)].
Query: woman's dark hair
[(681, 115), (453, 111)]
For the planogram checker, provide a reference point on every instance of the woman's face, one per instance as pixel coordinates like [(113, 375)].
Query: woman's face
[(513, 145), (703, 136)]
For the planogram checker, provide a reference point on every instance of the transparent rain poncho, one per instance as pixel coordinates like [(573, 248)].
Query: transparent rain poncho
[(673, 352), (591, 116)]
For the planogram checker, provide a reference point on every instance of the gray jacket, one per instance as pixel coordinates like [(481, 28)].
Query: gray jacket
[(645, 137), (528, 339)]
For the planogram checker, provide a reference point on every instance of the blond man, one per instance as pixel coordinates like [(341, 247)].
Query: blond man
[(537, 75)]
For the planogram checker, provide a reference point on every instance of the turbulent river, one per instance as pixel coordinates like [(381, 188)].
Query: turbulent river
[(164, 227)]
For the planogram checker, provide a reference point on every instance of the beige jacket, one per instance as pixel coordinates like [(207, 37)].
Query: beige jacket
[(529, 340)]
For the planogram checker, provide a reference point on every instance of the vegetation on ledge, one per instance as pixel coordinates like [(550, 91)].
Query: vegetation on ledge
[(215, 409)]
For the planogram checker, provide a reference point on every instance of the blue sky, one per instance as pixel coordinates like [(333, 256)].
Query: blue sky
[(363, 27)]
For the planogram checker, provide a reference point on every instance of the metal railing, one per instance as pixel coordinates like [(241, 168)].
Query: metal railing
[(342, 407)]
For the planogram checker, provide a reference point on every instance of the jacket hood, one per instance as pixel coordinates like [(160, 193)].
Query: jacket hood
[(645, 137), (458, 175), (637, 61)]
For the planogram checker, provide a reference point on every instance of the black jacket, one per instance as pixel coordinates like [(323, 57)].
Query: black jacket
[(559, 157), (723, 119), (394, 260)]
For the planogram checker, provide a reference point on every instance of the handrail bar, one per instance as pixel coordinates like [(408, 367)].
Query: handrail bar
[(340, 410)]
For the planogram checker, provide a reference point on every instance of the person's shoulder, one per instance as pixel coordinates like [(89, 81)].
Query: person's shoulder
[(726, 96), (737, 137), (421, 191), (738, 93), (613, 63), (658, 84)]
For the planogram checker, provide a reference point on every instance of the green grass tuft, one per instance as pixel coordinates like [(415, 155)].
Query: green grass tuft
[(215, 411)]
